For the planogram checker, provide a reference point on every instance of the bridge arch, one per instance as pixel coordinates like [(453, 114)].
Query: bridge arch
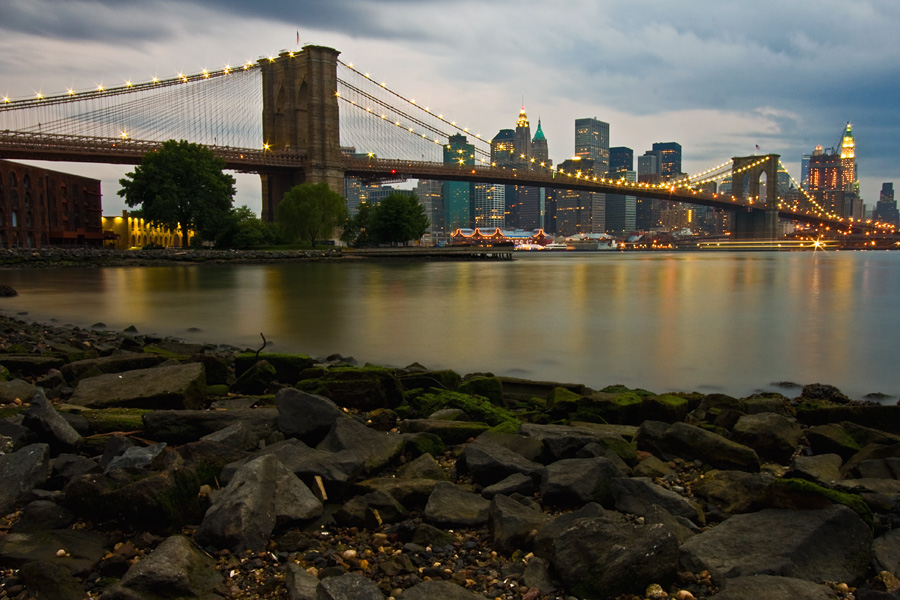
[(746, 172)]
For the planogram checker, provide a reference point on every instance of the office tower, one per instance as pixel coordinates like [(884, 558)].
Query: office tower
[(848, 161), (826, 182), (579, 211), (458, 194), (431, 197), (539, 150), (621, 160), (621, 209), (669, 159), (523, 138), (647, 210), (804, 171), (648, 167), (489, 204), (886, 207), (531, 201), (592, 142)]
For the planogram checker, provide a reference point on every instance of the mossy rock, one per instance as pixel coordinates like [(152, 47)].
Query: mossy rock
[(256, 379), (444, 379), (562, 401), (512, 426), (10, 411), (477, 408), (104, 420), (487, 387), (621, 389), (365, 388), (166, 354), (622, 408), (800, 494), (665, 407), (4, 373), (218, 390), (288, 367), (418, 444)]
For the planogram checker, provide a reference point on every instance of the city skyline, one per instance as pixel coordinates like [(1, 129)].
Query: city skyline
[(655, 73)]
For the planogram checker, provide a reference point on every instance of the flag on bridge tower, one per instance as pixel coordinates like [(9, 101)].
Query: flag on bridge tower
[(757, 147), (298, 38)]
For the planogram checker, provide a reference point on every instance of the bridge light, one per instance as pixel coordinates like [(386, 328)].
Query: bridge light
[(124, 135), (6, 99), (71, 92), (266, 146), (156, 80), (40, 96), (128, 84)]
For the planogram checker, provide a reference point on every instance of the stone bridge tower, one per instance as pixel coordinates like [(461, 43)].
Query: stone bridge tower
[(300, 114), (756, 224)]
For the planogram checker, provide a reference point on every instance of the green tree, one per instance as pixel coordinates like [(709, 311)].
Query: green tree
[(358, 228), (181, 184), (398, 219), (246, 230), (311, 212)]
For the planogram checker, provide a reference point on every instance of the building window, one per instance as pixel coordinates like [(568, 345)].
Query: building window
[(15, 219), (12, 179)]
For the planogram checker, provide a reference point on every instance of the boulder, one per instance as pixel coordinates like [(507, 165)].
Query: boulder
[(300, 584), (546, 536), (564, 442), (517, 483), (166, 387), (639, 496), (183, 426), (50, 426), (370, 510), (771, 587), (365, 388), (307, 417), (237, 435), (514, 525), (596, 559), (30, 365), (411, 493), (20, 472), (450, 432), (681, 440), (451, 505), (262, 495), (255, 380), (831, 544), (288, 367), (886, 552), (378, 448), (136, 457), (175, 569), (43, 515), (773, 436), (577, 481), (351, 586), (445, 590), (45, 579), (823, 469), (422, 467), (116, 363), (733, 491), (530, 447), (83, 549), (17, 389), (489, 463)]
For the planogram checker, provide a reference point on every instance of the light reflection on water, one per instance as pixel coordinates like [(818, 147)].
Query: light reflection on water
[(729, 322)]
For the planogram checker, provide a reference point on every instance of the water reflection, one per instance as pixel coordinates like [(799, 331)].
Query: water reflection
[(683, 321)]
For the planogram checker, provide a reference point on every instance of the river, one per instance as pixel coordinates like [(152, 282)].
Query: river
[(726, 322)]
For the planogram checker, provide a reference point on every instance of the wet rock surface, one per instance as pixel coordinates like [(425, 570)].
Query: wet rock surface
[(123, 476)]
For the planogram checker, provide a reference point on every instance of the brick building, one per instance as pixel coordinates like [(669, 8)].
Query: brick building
[(40, 207)]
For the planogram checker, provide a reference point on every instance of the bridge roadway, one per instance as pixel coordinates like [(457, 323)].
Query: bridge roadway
[(54, 147)]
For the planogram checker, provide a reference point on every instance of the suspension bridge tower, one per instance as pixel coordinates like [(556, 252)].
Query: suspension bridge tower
[(300, 114), (746, 173)]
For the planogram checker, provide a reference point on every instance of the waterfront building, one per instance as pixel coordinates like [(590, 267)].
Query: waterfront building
[(592, 142), (578, 211), (40, 207), (489, 201), (132, 231), (503, 149), (647, 210), (886, 208), (826, 181), (431, 196), (458, 209), (621, 209)]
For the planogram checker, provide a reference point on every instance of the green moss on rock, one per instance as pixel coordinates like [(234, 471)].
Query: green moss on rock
[(288, 367), (476, 407), (487, 387), (365, 388), (104, 420), (799, 494)]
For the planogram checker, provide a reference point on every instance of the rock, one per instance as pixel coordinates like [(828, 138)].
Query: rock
[(7, 291), (543, 542), (378, 448), (43, 515), (773, 436), (365, 388), (167, 387), (288, 367), (486, 387), (300, 584), (411, 493), (370, 510), (531, 448), (17, 389), (770, 587), (832, 438), (639, 496), (136, 457), (451, 432), (117, 363), (18, 436), (445, 590), (820, 392), (577, 481), (48, 580), (489, 463), (49, 426), (513, 525), (351, 586), (262, 494), (450, 505), (423, 467), (82, 549), (67, 467), (596, 559), (237, 435), (30, 365), (561, 442), (22, 471), (681, 440), (823, 469), (832, 544), (255, 380), (182, 426), (175, 569), (516, 483), (307, 417), (537, 575), (733, 491), (886, 552), (652, 467)]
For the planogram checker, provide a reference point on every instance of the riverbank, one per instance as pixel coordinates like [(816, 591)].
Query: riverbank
[(136, 466)]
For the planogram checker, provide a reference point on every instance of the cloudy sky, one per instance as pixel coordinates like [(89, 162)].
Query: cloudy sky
[(717, 77)]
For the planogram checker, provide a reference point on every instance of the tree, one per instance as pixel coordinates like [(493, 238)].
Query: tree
[(246, 230), (181, 184), (311, 212), (399, 218)]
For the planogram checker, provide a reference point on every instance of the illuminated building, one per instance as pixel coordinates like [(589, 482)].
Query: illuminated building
[(886, 208), (431, 197), (826, 177), (579, 211), (848, 161), (503, 149), (130, 231), (39, 207), (592, 142), (621, 160), (669, 154), (540, 152), (647, 210), (523, 138), (489, 202), (621, 209), (458, 194)]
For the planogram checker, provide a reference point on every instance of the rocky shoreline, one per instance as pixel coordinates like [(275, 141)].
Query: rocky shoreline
[(30, 258), (136, 467)]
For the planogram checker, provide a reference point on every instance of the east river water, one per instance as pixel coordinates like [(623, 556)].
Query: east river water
[(728, 322)]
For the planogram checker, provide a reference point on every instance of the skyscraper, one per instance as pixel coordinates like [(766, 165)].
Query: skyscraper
[(489, 204), (503, 149), (826, 177), (579, 211), (523, 138), (848, 161), (886, 208), (592, 142), (621, 209), (669, 159), (621, 160), (457, 194)]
